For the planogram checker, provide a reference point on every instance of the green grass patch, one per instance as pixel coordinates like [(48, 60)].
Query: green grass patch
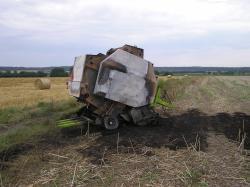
[(206, 91), (174, 89), (25, 123), (193, 177), (149, 176)]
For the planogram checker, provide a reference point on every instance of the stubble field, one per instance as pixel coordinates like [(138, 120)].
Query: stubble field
[(202, 141), (20, 92)]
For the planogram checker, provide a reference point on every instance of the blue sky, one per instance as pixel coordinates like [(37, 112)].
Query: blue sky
[(172, 32)]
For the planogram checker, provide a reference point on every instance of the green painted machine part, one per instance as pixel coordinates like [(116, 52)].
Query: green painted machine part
[(159, 101)]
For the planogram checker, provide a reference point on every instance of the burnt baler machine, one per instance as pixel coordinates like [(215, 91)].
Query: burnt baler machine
[(116, 87)]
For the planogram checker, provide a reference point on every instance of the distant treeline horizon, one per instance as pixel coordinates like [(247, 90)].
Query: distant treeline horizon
[(55, 72), (162, 68), (202, 70), (64, 71)]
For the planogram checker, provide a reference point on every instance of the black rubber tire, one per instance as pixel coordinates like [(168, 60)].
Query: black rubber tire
[(111, 122)]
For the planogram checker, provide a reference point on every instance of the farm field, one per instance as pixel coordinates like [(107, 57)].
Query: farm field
[(20, 92), (202, 141)]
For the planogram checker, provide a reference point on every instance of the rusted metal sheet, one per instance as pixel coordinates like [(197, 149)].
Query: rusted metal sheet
[(151, 83), (130, 49)]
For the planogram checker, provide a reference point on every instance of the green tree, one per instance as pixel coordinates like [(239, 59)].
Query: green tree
[(157, 72), (41, 74), (165, 73), (58, 72)]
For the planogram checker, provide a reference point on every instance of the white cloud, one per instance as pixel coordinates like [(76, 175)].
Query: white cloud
[(114, 22), (212, 58), (118, 20)]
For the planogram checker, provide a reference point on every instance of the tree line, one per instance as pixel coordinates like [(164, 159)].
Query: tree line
[(55, 72), (217, 73)]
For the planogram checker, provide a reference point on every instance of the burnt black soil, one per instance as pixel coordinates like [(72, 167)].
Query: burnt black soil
[(173, 132), (233, 126), (45, 142)]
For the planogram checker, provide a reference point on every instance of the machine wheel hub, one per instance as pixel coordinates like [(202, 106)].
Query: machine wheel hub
[(111, 122)]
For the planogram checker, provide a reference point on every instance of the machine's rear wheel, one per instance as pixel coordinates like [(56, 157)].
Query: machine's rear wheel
[(111, 122)]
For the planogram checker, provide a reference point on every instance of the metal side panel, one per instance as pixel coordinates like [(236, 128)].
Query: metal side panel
[(135, 65), (127, 88), (78, 69), (74, 88)]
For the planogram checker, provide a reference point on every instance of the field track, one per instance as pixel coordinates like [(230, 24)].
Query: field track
[(218, 94)]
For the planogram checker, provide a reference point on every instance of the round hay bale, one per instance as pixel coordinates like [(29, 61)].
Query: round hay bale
[(42, 84)]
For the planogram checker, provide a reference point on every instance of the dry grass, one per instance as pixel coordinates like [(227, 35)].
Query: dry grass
[(132, 166), (22, 92), (162, 77), (132, 156), (214, 94)]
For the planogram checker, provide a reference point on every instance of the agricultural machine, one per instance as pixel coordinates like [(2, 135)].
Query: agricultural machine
[(115, 87)]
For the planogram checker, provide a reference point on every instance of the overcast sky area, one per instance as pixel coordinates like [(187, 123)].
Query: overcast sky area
[(172, 32)]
